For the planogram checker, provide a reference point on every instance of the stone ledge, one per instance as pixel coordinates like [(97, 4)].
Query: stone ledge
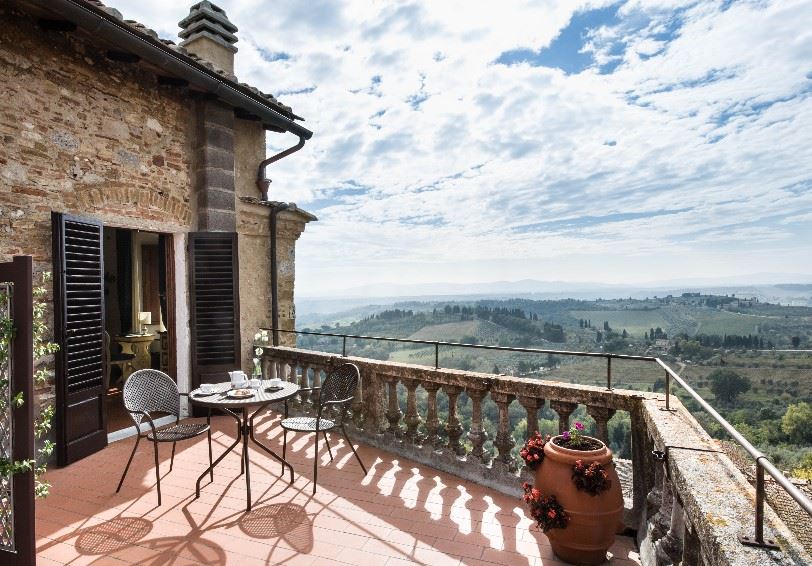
[(580, 394), (718, 502)]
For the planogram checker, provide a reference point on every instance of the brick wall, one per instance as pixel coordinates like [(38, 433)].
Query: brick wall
[(85, 135)]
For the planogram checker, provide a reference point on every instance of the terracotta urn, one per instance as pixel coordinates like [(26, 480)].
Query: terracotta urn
[(593, 519)]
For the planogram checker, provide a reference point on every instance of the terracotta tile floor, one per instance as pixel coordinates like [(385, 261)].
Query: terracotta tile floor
[(400, 513)]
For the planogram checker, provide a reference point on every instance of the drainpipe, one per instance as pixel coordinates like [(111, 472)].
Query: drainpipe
[(262, 181), (277, 208)]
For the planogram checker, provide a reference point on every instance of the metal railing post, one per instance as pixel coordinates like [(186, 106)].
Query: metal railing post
[(667, 391), (344, 347), (759, 503), (436, 355), (609, 373), (758, 536)]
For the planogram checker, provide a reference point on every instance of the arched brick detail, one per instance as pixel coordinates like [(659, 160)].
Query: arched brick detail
[(137, 203)]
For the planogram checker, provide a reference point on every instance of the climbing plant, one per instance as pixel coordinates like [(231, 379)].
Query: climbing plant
[(43, 364)]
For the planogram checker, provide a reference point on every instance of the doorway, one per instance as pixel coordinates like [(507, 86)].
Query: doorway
[(114, 306), (138, 295)]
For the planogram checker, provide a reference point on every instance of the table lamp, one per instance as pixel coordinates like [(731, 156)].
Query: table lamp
[(144, 318)]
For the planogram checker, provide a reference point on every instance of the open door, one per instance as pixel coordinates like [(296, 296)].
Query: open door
[(81, 416)]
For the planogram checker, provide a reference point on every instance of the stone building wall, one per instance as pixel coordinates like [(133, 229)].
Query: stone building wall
[(253, 227), (84, 135)]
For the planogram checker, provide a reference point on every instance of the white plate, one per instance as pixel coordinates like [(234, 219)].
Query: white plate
[(240, 393)]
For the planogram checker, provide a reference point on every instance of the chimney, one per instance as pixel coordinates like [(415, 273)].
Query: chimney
[(208, 34)]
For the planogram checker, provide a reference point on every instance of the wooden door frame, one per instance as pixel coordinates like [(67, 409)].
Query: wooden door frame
[(171, 312)]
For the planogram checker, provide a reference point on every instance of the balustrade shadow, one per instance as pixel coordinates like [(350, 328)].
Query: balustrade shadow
[(400, 509)]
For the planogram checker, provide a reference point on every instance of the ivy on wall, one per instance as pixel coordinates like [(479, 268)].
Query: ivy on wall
[(43, 364)]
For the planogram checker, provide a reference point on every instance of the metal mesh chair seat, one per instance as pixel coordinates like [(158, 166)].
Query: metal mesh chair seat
[(149, 391), (307, 424), (180, 431), (336, 392)]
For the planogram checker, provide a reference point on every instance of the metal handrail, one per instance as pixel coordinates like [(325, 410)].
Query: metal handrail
[(762, 463)]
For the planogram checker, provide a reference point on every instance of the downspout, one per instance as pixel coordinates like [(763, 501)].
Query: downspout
[(262, 181), (277, 208)]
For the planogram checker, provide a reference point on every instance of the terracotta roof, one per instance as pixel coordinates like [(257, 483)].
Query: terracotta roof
[(144, 30)]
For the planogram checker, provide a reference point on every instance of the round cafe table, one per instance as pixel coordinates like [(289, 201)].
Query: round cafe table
[(238, 409)]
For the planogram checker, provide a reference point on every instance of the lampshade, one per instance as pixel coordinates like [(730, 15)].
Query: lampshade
[(145, 317)]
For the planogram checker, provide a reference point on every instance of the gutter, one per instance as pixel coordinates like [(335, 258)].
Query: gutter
[(104, 26)]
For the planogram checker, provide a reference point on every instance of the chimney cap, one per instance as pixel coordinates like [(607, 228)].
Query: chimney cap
[(207, 19)]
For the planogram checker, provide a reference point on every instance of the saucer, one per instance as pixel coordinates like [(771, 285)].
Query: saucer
[(202, 394)]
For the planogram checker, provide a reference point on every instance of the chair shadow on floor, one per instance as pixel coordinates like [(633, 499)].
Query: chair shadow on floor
[(111, 536), (125, 537), (287, 521)]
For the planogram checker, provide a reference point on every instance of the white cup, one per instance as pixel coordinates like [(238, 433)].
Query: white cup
[(275, 382), (256, 383), (206, 387)]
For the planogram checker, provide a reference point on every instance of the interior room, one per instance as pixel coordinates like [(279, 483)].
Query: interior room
[(136, 311)]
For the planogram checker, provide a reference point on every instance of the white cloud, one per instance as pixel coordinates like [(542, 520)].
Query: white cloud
[(707, 115)]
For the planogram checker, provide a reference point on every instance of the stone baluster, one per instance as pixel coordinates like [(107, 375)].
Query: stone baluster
[(532, 406), (691, 545), (432, 420), (504, 439), (453, 426), (357, 405), (642, 463), (669, 548), (660, 520), (317, 381), (477, 434), (412, 418), (304, 382), (267, 364), (374, 409), (393, 412), (601, 416), (564, 410)]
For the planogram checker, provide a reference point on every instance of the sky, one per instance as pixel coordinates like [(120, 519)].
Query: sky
[(615, 142)]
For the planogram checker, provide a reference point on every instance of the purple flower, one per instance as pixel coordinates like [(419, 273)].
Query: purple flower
[(566, 435), (579, 426)]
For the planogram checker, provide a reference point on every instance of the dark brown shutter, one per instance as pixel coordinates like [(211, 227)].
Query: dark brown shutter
[(79, 330), (215, 307)]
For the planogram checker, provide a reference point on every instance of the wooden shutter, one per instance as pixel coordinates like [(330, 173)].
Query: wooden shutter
[(215, 306), (81, 416)]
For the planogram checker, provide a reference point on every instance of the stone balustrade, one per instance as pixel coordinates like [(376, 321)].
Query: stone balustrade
[(687, 508)]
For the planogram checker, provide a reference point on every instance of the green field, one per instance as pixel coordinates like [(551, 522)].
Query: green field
[(485, 331), (722, 322), (635, 322)]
